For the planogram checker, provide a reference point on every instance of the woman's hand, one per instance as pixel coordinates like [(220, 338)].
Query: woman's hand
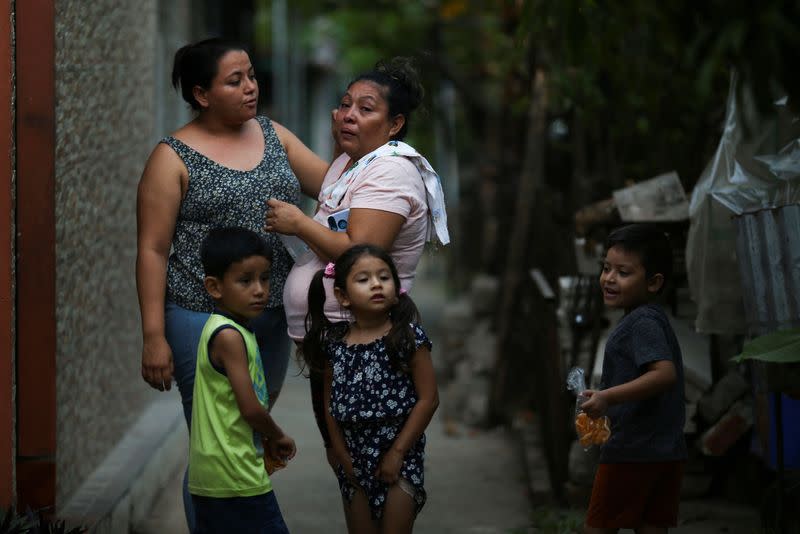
[(389, 467), (157, 365), (283, 217)]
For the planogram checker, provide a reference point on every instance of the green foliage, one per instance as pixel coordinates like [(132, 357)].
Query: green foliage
[(760, 40), (641, 86), (782, 346), (14, 522), (362, 41), (548, 520)]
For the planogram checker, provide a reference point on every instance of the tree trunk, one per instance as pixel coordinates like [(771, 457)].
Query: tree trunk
[(530, 183)]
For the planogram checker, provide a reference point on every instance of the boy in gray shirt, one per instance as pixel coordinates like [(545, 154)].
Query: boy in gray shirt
[(637, 484)]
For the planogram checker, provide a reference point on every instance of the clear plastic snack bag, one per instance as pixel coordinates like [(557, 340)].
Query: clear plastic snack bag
[(590, 431)]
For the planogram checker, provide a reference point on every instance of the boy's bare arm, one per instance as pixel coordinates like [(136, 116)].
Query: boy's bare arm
[(658, 377), (228, 350)]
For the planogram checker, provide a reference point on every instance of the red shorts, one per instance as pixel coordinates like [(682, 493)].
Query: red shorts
[(635, 494)]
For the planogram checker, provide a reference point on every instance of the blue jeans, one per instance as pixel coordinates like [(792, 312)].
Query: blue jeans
[(183, 328), (243, 515)]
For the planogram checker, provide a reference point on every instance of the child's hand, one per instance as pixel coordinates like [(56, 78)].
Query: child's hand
[(277, 453), (346, 463), (389, 467), (272, 464), (596, 405), (282, 447)]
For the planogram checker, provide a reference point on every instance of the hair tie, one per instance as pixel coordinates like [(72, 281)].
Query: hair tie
[(402, 291), (330, 270)]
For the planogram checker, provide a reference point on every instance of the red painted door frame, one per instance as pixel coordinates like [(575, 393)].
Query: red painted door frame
[(6, 286), (35, 254)]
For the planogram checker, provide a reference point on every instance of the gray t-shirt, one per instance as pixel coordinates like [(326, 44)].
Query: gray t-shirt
[(649, 430)]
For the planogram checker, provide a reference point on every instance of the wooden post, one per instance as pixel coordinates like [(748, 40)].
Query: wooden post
[(36, 258), (6, 259)]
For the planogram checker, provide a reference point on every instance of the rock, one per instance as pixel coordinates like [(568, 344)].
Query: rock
[(476, 409), (457, 317), (451, 401), (727, 431), (483, 294), (723, 394), (582, 464), (695, 485), (481, 348)]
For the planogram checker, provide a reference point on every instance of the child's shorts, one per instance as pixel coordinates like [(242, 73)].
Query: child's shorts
[(632, 495), (244, 515)]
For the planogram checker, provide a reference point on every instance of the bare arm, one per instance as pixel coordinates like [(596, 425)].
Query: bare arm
[(376, 227), (309, 168), (658, 377), (229, 351), (424, 377), (157, 204)]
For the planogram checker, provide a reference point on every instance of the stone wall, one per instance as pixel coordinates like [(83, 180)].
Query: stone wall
[(105, 129)]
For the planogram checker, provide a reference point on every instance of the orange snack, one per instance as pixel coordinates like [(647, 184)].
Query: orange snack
[(592, 431), (272, 464)]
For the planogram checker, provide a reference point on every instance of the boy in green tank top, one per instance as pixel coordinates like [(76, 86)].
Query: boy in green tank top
[(229, 484)]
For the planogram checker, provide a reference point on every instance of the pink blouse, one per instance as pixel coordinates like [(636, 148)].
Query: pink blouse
[(390, 184)]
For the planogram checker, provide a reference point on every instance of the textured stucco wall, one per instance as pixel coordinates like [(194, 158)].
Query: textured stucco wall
[(105, 129)]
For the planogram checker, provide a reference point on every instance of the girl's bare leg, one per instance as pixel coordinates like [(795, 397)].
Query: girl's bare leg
[(399, 512), (357, 515)]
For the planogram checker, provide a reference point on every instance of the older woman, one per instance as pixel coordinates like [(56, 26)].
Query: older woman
[(393, 195), (217, 170)]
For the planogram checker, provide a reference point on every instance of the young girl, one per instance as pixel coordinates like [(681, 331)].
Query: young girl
[(380, 389)]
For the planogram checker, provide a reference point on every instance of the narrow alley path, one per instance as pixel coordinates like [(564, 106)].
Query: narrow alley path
[(475, 480)]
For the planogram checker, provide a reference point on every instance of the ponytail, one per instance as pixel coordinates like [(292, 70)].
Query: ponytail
[(317, 325), (196, 64), (400, 340)]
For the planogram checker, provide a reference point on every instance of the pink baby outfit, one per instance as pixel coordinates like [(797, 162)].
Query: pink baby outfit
[(391, 184)]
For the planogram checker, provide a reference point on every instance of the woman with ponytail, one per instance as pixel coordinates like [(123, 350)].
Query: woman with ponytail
[(380, 190), (217, 170)]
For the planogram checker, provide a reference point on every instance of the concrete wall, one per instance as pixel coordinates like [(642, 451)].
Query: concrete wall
[(106, 127)]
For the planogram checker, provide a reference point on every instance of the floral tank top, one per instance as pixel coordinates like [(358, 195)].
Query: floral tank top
[(218, 196)]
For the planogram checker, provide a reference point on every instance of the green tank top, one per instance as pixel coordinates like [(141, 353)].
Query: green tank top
[(226, 457)]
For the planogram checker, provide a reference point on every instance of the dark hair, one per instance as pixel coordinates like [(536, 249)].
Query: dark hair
[(197, 64), (319, 330), (403, 90), (223, 247), (650, 243)]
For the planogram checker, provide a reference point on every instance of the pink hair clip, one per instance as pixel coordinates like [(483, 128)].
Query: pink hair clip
[(330, 270), (403, 291)]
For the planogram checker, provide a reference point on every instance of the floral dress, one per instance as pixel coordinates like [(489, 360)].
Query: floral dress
[(371, 401)]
